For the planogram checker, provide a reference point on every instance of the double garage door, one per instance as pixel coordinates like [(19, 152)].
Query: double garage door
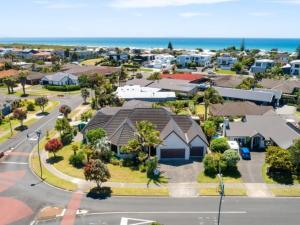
[(180, 153)]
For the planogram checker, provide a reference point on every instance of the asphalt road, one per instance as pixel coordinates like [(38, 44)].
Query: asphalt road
[(22, 193)]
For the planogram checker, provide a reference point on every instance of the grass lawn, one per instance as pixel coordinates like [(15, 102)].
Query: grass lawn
[(225, 72), (200, 109), (143, 69), (118, 173), (280, 178), (228, 192), (227, 178), (49, 177), (286, 192), (91, 62), (140, 191)]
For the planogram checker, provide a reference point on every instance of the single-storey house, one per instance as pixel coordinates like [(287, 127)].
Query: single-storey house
[(182, 138), (256, 132), (261, 97), (34, 78), (9, 73), (144, 93), (191, 77), (238, 109), (227, 81), (78, 70), (286, 86), (60, 78)]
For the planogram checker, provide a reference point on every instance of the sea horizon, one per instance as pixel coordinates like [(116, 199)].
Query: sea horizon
[(209, 43)]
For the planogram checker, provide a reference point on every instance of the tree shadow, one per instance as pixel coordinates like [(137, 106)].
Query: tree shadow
[(21, 128), (85, 103), (99, 193), (54, 159), (157, 180), (234, 173), (281, 177), (42, 114), (24, 96)]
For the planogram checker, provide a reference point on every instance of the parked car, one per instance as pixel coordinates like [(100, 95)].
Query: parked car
[(245, 153), (234, 145)]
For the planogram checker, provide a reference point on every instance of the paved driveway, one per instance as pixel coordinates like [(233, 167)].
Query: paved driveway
[(251, 170), (181, 172)]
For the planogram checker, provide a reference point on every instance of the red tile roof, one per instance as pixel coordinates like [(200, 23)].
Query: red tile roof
[(184, 76), (9, 73)]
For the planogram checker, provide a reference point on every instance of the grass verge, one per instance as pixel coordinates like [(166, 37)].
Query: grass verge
[(228, 192), (227, 178), (286, 192), (140, 191)]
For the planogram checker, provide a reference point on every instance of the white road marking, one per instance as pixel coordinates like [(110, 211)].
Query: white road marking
[(125, 221), (17, 163), (170, 212)]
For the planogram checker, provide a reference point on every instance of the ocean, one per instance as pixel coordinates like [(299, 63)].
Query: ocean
[(282, 44)]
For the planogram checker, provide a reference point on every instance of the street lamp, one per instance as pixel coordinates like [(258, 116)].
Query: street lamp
[(38, 134), (221, 192)]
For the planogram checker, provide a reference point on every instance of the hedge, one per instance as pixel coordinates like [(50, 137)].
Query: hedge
[(63, 88)]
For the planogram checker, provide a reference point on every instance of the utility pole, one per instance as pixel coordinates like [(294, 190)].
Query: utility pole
[(38, 134), (10, 126), (221, 192)]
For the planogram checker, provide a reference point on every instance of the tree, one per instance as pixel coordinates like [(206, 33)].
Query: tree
[(295, 154), (53, 146), (209, 128), (86, 116), (170, 46), (66, 110), (85, 94), (102, 150), (231, 157), (243, 45), (94, 135), (23, 79), (219, 145), (212, 163), (10, 83), (97, 171), (298, 52), (237, 67), (211, 96), (248, 84), (75, 148), (154, 76), (20, 115), (278, 158), (41, 102), (63, 126)]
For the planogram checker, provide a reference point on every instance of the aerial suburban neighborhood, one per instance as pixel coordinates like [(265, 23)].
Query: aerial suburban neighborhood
[(149, 130)]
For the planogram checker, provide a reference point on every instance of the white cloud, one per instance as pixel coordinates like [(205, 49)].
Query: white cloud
[(296, 2), (260, 14), (193, 14), (161, 3), (60, 4)]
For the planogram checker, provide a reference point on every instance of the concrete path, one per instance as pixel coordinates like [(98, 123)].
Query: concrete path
[(183, 190), (258, 190)]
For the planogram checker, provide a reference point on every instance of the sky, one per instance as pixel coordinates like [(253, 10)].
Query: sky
[(150, 18)]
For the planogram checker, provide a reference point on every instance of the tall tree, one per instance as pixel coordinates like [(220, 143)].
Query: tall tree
[(243, 45), (53, 146), (170, 46), (211, 96), (209, 128), (41, 102), (85, 93), (63, 126), (10, 83), (23, 79), (298, 52), (20, 115), (66, 110), (97, 171), (295, 154)]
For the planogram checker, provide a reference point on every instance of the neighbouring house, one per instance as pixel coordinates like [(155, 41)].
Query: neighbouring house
[(295, 67), (43, 55), (199, 59), (60, 79), (182, 138), (179, 86), (227, 81), (226, 61), (191, 77), (257, 132), (6, 104), (144, 93), (261, 65), (118, 57), (285, 86), (9, 73), (143, 58), (262, 97), (282, 58), (161, 61), (78, 70), (34, 78), (238, 109)]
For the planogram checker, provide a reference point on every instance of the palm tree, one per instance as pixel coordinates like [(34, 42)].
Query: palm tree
[(211, 96), (85, 94), (23, 79), (10, 83)]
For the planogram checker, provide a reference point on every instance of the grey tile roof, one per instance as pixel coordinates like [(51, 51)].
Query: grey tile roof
[(227, 81), (120, 127), (286, 86), (174, 85), (236, 108), (277, 93), (59, 76), (271, 127), (250, 95)]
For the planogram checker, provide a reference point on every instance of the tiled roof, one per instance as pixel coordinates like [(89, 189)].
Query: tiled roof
[(59, 76), (120, 127), (9, 73), (79, 70), (286, 86), (184, 76)]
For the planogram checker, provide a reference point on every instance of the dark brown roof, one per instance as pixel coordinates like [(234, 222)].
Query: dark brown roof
[(286, 86), (79, 70), (9, 73), (238, 109), (120, 127), (35, 75), (227, 81)]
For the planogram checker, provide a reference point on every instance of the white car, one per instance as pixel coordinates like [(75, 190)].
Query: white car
[(234, 145)]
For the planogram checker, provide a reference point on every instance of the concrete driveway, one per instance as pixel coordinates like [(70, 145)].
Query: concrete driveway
[(251, 170)]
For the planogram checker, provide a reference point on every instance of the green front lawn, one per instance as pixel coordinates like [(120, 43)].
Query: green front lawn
[(286, 192), (200, 109), (234, 177), (140, 191), (225, 72), (228, 192)]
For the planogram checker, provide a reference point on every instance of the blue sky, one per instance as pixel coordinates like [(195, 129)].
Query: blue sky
[(150, 18)]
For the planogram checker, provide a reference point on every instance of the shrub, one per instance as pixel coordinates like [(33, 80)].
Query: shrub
[(115, 161), (128, 162), (30, 106), (77, 160), (63, 88), (54, 145), (219, 145), (94, 135), (278, 158), (139, 76), (151, 166), (67, 138), (211, 164), (231, 157), (143, 168)]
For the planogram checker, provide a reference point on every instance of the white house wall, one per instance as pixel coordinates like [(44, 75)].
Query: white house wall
[(198, 142)]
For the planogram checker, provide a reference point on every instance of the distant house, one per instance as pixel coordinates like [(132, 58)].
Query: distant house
[(144, 93), (282, 58), (6, 105), (227, 81), (34, 78), (78, 70), (285, 86), (226, 62), (263, 97), (182, 138), (60, 79), (261, 65), (161, 61), (119, 57), (256, 132), (199, 59), (8, 73), (295, 67), (238, 109), (191, 77)]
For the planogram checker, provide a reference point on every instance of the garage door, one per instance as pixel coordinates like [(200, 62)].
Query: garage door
[(172, 153), (196, 152)]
